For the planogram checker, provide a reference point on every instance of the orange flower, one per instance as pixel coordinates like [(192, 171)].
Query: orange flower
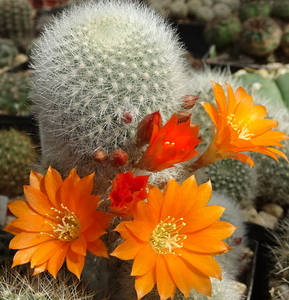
[(175, 142), (173, 239), (126, 191), (58, 222), (239, 127)]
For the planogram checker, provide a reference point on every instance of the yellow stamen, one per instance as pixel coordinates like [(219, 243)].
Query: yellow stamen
[(165, 237), (239, 127)]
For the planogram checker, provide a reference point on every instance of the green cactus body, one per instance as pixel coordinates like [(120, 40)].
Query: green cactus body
[(16, 22), (14, 94), (260, 36), (254, 9), (17, 154), (280, 9), (8, 52), (285, 40), (222, 32), (95, 64), (282, 83)]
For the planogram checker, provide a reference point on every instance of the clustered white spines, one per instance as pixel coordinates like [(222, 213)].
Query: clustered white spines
[(98, 61)]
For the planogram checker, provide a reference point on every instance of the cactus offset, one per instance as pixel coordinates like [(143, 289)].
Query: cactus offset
[(97, 63), (260, 36), (8, 52), (17, 154), (16, 22), (14, 94)]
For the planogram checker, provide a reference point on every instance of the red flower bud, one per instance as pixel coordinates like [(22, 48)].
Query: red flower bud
[(238, 240), (183, 116), (146, 126), (126, 118), (118, 158), (99, 155), (189, 101)]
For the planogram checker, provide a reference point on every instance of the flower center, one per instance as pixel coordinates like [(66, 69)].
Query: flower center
[(165, 237), (68, 227), (239, 127)]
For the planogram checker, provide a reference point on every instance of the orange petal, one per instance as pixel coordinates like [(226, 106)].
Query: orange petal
[(20, 207), (97, 248), (145, 283), (165, 284), (128, 249), (122, 229), (220, 97), (34, 223), (205, 244), (53, 181), (219, 230), (212, 112), (155, 200), (25, 240), (23, 256), (75, 263), (45, 252), (206, 264), (144, 261), (12, 229), (140, 230), (40, 268), (35, 179), (57, 259), (79, 246)]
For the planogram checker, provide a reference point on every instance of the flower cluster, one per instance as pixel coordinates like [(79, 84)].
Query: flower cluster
[(172, 235)]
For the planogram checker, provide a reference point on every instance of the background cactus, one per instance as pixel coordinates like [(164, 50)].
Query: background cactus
[(14, 93), (95, 64), (223, 31), (16, 22), (8, 52), (260, 36), (251, 9), (17, 154), (280, 9)]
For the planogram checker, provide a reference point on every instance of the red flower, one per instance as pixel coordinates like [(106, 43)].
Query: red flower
[(126, 191), (175, 142)]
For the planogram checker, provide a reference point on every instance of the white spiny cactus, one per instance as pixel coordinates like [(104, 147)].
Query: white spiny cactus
[(97, 62)]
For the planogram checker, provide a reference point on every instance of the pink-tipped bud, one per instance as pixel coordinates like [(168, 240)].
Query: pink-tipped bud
[(99, 156), (126, 118), (118, 158), (189, 101), (145, 127), (183, 116), (238, 241)]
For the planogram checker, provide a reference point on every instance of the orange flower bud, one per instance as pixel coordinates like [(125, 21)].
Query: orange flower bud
[(99, 155), (118, 158), (183, 116), (189, 101), (146, 126), (126, 118)]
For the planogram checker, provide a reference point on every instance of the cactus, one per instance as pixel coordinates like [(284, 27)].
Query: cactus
[(8, 52), (280, 9), (96, 64), (16, 22), (285, 40), (222, 32), (39, 4), (17, 153), (253, 9), (260, 36), (18, 283), (14, 94)]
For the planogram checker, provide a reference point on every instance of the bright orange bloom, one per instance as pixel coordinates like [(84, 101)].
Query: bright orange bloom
[(239, 127), (126, 191), (173, 238), (175, 142), (58, 222)]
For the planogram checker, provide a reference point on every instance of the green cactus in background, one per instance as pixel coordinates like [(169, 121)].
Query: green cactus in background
[(280, 9), (260, 36), (16, 22), (17, 154), (285, 40), (254, 8), (97, 72), (222, 32), (8, 52), (14, 93)]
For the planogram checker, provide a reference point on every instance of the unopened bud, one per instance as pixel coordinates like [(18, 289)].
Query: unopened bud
[(189, 101), (238, 240), (145, 127), (183, 116), (126, 118), (118, 158), (99, 155)]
